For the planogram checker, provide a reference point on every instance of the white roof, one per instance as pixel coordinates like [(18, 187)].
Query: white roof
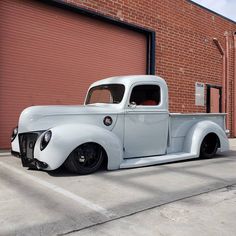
[(129, 80)]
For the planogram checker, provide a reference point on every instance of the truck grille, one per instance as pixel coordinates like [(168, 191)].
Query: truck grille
[(27, 142)]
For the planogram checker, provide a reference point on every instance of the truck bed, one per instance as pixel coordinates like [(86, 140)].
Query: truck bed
[(181, 123)]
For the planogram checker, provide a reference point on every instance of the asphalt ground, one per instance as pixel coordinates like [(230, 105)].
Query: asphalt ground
[(184, 198)]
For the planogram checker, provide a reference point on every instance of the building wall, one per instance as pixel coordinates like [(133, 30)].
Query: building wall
[(50, 56), (185, 51)]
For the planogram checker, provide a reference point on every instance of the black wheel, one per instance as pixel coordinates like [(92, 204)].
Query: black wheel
[(209, 146), (85, 159)]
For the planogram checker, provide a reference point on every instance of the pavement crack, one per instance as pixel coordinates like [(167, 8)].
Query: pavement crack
[(227, 187)]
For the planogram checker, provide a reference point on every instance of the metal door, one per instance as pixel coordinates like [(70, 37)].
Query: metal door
[(214, 100), (146, 125), (50, 55)]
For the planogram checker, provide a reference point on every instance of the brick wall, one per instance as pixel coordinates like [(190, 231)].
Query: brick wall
[(185, 51)]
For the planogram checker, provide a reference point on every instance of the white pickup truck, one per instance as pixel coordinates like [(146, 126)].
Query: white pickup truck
[(123, 123)]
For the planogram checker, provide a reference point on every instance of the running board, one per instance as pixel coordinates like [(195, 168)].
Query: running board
[(147, 161)]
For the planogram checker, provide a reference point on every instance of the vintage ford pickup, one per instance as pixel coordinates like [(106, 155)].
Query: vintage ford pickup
[(123, 123)]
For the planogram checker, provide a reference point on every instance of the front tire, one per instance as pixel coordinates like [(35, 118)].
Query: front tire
[(85, 159), (209, 146)]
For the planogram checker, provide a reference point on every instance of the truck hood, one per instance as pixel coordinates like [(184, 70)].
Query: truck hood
[(45, 117)]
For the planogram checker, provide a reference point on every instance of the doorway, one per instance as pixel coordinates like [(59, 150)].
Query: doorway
[(214, 99)]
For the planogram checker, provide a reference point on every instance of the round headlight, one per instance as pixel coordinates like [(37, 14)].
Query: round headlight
[(14, 133), (45, 140)]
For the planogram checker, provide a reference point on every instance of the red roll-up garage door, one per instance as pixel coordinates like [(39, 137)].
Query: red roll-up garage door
[(50, 55)]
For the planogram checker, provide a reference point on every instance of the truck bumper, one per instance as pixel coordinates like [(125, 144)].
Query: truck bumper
[(33, 163), (14, 153)]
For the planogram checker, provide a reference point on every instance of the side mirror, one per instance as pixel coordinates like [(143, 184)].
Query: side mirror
[(132, 105)]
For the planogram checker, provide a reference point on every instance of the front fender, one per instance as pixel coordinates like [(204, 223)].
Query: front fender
[(196, 134), (66, 138)]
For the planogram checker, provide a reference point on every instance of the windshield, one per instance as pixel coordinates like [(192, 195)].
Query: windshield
[(110, 93)]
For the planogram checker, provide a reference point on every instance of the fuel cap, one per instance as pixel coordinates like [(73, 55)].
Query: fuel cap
[(107, 121)]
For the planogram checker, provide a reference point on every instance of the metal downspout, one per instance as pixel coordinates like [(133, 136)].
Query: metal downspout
[(223, 54), (234, 103), (227, 87)]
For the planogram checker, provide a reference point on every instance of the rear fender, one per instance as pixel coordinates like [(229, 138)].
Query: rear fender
[(66, 138), (196, 134)]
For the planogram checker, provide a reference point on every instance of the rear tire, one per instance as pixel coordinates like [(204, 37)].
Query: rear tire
[(85, 159), (209, 146)]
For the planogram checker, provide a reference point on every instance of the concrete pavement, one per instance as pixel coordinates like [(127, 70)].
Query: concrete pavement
[(177, 198), (209, 214)]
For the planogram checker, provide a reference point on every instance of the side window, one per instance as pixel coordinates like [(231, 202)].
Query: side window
[(146, 95)]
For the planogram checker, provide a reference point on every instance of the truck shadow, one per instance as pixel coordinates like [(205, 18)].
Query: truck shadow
[(226, 157), (63, 172)]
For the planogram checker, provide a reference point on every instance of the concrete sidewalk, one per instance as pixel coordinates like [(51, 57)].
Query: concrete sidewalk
[(5, 152), (195, 197), (209, 214), (183, 198), (232, 143)]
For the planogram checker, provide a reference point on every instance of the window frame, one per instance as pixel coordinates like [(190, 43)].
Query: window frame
[(145, 84), (103, 85)]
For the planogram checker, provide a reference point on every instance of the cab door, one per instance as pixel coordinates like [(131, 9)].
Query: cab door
[(146, 122)]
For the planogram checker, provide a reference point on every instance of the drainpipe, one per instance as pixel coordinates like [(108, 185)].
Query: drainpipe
[(223, 54), (234, 104), (227, 88)]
